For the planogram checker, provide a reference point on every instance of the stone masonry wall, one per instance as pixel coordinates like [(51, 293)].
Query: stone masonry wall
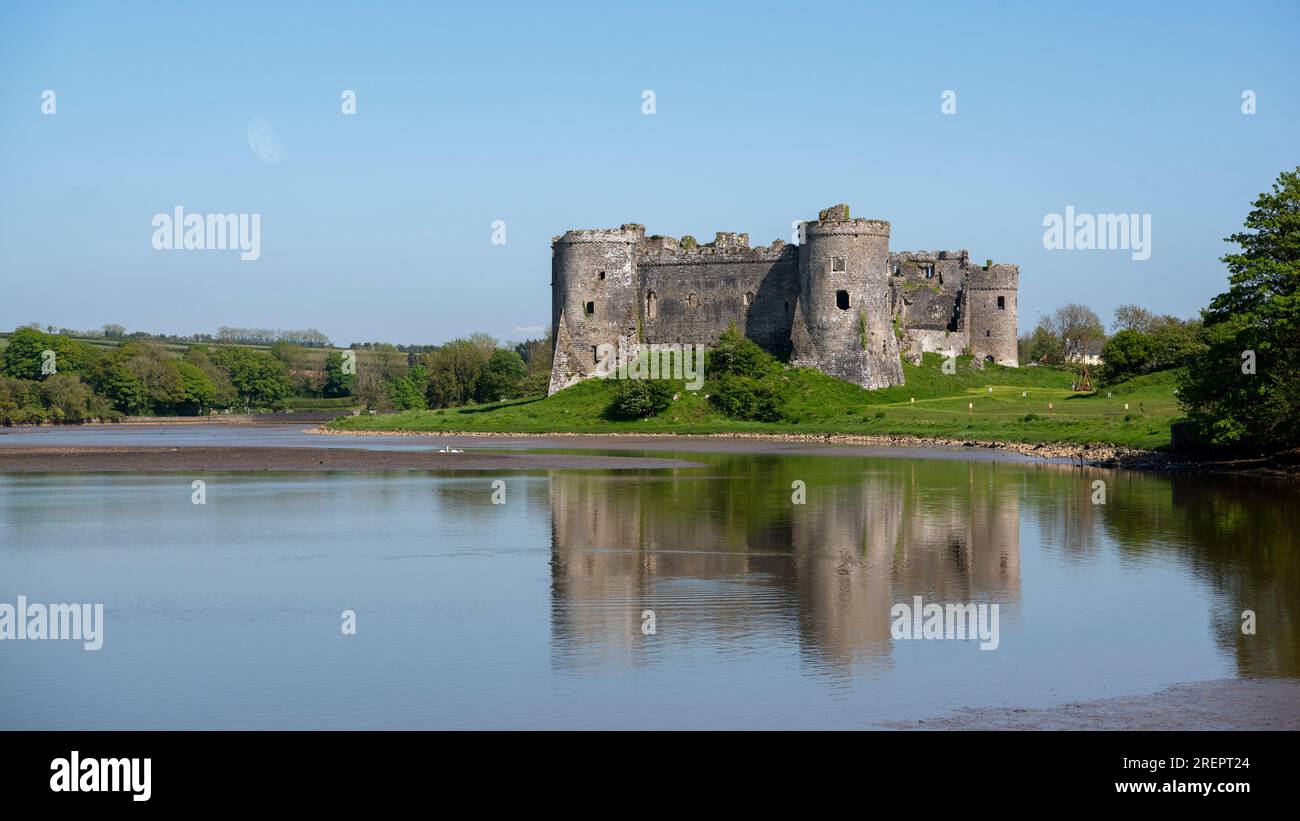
[(693, 296), (841, 302)]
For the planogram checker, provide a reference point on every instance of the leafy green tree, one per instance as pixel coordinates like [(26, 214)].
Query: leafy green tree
[(1132, 317), (225, 395), (1257, 318), (500, 377), (454, 370), (260, 380), (1079, 329), (24, 355), (337, 383), (197, 390), (1125, 355), (373, 390), (155, 370), (442, 390), (407, 392), (1175, 343), (117, 383), (20, 401), (1042, 345), (538, 355), (68, 399)]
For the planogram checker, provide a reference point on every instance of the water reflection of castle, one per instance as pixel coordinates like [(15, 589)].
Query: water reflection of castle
[(729, 557)]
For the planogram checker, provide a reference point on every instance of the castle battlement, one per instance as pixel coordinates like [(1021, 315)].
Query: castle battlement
[(840, 301)]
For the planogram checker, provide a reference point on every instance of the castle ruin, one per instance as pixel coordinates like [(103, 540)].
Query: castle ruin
[(839, 301)]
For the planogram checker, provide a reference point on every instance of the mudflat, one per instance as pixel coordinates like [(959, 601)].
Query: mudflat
[(59, 459), (1229, 704)]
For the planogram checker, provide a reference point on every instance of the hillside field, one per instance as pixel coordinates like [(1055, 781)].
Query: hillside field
[(1031, 404)]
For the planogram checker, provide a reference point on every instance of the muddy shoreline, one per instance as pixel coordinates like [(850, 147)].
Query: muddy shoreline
[(1284, 466), (200, 458), (1229, 704)]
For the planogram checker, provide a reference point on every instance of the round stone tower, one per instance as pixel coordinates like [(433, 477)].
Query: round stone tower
[(990, 306), (593, 298), (843, 323)]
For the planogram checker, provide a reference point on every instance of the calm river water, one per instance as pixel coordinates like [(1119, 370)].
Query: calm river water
[(531, 613)]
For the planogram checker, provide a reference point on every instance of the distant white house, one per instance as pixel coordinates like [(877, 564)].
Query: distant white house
[(1090, 354)]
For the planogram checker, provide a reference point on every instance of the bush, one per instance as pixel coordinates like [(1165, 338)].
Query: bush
[(743, 397), (639, 398), (735, 354), (537, 383)]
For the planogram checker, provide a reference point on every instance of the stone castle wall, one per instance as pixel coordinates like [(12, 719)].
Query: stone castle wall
[(693, 296), (841, 302)]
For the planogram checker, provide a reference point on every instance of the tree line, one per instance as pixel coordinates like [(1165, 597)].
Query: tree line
[(1237, 365), (52, 377), (1141, 342)]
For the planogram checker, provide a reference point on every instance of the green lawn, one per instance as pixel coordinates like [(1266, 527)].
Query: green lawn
[(956, 405)]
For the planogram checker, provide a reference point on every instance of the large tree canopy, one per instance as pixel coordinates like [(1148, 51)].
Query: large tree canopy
[(1245, 388)]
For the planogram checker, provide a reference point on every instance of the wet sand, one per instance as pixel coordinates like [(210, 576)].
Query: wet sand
[(98, 459), (1229, 704)]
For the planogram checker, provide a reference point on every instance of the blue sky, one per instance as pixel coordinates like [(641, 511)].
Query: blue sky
[(378, 225)]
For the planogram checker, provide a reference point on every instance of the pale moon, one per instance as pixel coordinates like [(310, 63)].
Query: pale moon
[(264, 141)]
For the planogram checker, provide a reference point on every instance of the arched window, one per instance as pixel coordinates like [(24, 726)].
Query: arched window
[(651, 305), (692, 301), (842, 300), (749, 298)]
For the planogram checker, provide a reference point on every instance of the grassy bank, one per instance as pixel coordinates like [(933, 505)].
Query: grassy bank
[(930, 404)]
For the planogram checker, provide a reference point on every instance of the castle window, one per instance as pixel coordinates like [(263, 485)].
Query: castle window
[(749, 298), (589, 308), (988, 333), (1002, 303), (842, 300), (601, 275), (941, 277), (838, 264), (692, 301), (895, 269), (651, 305), (928, 270)]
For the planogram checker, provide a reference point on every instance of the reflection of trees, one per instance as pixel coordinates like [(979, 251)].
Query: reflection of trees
[(722, 552), (1059, 498), (1240, 536)]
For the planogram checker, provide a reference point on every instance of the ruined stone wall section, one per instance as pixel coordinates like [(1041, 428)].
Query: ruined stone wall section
[(841, 302), (692, 297), (593, 298), (845, 303), (991, 307), (944, 343)]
